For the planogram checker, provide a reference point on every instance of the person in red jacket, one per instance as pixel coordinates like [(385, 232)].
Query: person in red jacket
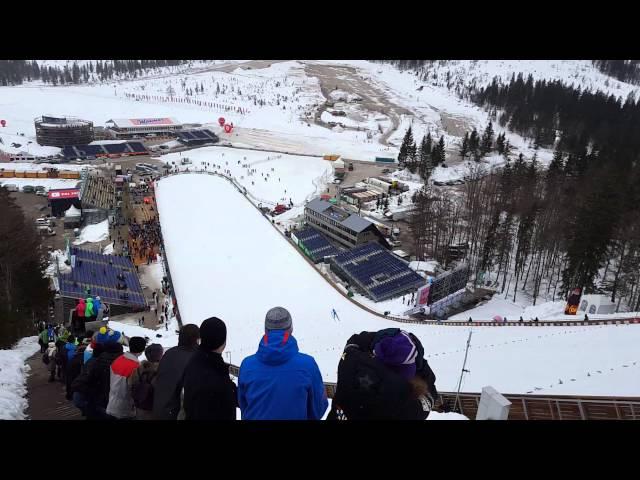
[(121, 404), (80, 308)]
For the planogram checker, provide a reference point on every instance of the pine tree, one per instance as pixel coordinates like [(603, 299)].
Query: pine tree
[(464, 149), (487, 139), (556, 166), (507, 149), (441, 156), (500, 143), (406, 147), (425, 166), (24, 290), (474, 143)]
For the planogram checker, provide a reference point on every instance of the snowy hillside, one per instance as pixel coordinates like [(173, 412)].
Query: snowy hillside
[(13, 378), (577, 73), (277, 178), (239, 274)]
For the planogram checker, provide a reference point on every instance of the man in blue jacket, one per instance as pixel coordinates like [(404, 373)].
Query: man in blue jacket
[(279, 382)]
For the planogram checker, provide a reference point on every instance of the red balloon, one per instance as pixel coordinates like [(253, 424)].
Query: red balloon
[(228, 128), (3, 122), (221, 121)]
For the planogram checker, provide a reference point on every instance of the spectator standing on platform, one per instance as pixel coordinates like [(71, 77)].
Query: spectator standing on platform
[(170, 379), (279, 382)]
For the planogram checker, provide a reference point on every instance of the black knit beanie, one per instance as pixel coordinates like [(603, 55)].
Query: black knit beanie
[(213, 333)]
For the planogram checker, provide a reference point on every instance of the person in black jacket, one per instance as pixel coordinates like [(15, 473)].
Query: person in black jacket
[(383, 376), (170, 377), (99, 378), (80, 386), (74, 367), (209, 393)]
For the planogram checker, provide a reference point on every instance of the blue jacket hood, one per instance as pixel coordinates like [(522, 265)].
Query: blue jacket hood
[(280, 383), (71, 350), (277, 347)]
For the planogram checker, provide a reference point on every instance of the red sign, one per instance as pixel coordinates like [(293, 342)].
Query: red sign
[(151, 121), (227, 128), (59, 194), (221, 121), (3, 123), (423, 295)]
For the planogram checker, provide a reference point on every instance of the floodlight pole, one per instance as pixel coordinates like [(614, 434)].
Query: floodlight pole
[(464, 364)]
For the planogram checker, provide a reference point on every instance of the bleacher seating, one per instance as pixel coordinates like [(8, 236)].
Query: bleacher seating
[(137, 147), (196, 137), (69, 152), (84, 151), (379, 273), (115, 148), (316, 244), (94, 271), (90, 150)]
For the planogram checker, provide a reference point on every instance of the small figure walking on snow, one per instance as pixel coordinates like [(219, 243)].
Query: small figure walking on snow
[(334, 314)]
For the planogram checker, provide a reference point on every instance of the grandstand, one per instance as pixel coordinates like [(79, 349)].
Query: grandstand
[(83, 152), (99, 273), (376, 272), (61, 131), (98, 192), (314, 244), (197, 137)]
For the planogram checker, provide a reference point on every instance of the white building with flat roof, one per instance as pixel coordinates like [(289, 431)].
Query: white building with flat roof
[(128, 127)]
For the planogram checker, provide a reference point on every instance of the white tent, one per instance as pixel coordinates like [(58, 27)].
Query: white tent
[(72, 212)]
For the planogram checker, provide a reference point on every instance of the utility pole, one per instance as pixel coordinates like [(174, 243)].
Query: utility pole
[(464, 364)]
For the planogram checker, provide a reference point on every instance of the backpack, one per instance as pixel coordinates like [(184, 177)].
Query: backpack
[(142, 392), (367, 390)]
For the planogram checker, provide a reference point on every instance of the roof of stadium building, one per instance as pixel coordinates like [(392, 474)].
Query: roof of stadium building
[(350, 220), (144, 122)]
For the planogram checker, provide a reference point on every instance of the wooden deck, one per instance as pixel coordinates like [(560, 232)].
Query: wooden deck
[(47, 400)]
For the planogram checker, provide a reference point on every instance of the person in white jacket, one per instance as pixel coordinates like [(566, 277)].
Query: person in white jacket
[(51, 353)]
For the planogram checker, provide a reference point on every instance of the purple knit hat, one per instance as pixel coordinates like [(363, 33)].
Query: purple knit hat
[(398, 353)]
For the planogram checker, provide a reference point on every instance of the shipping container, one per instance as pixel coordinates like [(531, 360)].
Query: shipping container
[(385, 160)]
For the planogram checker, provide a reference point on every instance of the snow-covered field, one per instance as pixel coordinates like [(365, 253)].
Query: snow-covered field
[(93, 233), (499, 306), (13, 378), (289, 176), (16, 144), (239, 275)]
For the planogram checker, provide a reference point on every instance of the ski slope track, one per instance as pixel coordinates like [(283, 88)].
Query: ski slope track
[(226, 260)]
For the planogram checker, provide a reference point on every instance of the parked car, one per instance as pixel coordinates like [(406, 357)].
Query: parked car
[(458, 182), (439, 184), (28, 189), (44, 230), (41, 193), (12, 187)]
